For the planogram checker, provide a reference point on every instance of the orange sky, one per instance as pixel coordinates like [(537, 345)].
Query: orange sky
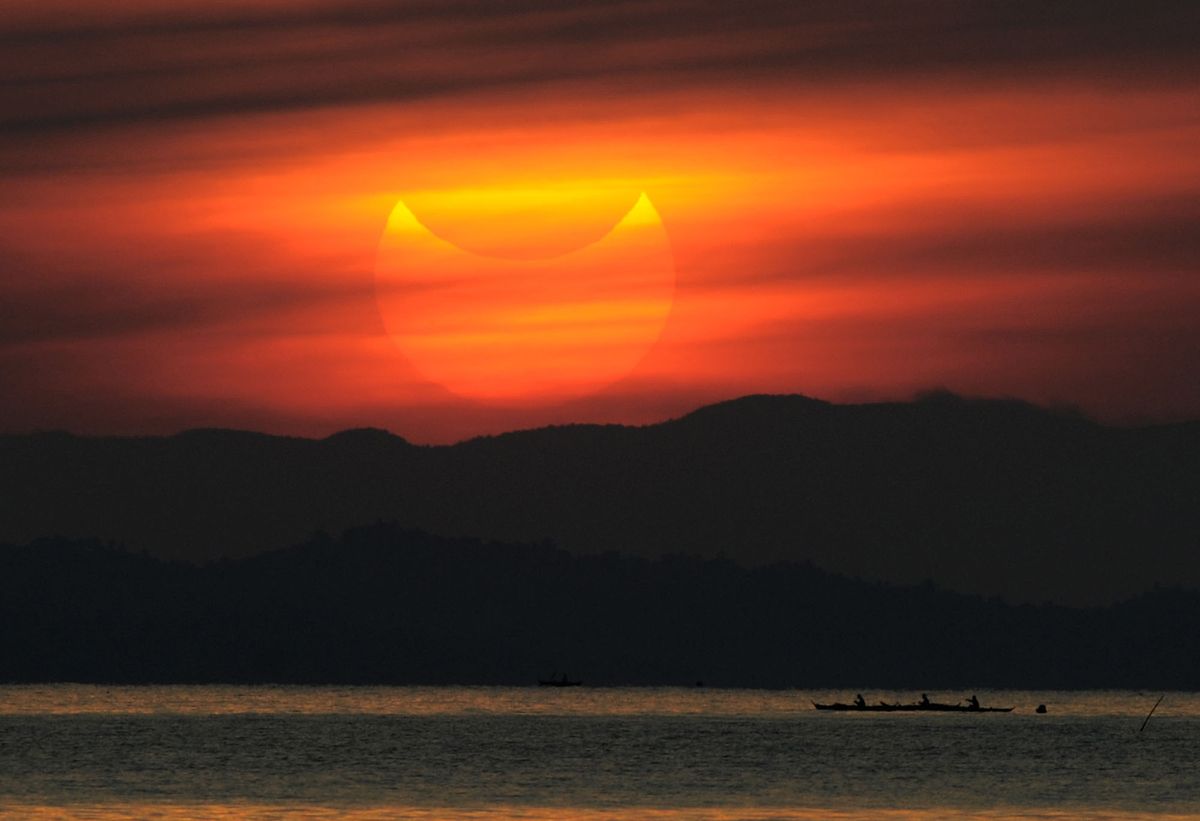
[(860, 203)]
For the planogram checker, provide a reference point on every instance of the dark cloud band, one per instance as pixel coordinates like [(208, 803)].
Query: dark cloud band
[(194, 64)]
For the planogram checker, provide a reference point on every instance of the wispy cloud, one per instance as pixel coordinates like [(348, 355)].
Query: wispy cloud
[(863, 195), (162, 62)]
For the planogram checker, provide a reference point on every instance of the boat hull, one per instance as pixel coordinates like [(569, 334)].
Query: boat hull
[(933, 707)]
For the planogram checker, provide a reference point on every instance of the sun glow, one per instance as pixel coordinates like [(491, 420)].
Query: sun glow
[(519, 323)]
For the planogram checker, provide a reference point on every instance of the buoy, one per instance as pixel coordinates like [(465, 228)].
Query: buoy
[(1041, 708)]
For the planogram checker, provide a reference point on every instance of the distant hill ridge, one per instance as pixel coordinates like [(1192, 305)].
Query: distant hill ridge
[(385, 604), (985, 496)]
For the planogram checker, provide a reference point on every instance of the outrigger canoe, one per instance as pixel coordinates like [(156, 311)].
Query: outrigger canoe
[(931, 707)]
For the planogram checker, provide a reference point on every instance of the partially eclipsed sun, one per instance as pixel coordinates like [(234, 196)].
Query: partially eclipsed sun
[(505, 329)]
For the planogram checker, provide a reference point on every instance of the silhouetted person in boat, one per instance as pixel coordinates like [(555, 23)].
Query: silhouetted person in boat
[(924, 702), (972, 703), (859, 701)]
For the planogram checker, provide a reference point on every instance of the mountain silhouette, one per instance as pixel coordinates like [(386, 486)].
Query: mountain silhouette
[(980, 496), (384, 604)]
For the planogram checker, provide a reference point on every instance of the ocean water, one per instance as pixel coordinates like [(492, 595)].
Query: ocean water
[(74, 751)]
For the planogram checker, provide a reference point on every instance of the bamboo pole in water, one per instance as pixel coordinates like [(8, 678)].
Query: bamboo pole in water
[(1152, 709)]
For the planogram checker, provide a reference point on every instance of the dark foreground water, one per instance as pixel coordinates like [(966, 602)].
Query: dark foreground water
[(463, 752)]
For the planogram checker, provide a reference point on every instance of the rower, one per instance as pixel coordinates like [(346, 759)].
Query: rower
[(859, 701), (924, 702), (972, 703)]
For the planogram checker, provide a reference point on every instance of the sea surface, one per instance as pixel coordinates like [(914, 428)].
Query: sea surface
[(75, 751)]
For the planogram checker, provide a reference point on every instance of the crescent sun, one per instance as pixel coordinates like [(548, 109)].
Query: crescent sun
[(507, 330)]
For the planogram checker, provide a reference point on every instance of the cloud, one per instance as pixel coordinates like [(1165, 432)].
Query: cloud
[(93, 310), (1150, 238), (240, 283), (157, 64), (859, 192)]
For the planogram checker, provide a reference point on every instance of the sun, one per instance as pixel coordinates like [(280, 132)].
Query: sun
[(516, 328)]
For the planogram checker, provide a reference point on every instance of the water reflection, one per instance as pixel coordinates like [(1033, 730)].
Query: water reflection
[(80, 699), (170, 812), (74, 751)]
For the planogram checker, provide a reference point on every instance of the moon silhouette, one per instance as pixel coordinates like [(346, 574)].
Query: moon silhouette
[(513, 330)]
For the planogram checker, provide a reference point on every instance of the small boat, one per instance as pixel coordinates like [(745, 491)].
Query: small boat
[(560, 681), (916, 707)]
